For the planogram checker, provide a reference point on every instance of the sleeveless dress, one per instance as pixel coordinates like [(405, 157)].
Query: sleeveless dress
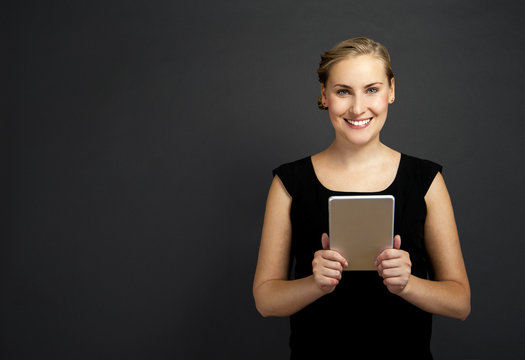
[(360, 319)]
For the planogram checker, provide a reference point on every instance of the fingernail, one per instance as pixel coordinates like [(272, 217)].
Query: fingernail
[(346, 263)]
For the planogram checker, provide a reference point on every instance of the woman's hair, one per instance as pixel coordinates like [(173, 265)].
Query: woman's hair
[(349, 48)]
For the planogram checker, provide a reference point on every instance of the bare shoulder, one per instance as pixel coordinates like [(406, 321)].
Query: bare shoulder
[(279, 200)]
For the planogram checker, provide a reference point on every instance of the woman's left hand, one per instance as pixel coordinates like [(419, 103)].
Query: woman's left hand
[(394, 266)]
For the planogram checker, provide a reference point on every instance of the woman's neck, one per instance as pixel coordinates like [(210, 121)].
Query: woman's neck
[(349, 155)]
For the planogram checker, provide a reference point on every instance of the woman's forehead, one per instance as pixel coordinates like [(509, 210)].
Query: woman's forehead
[(361, 69)]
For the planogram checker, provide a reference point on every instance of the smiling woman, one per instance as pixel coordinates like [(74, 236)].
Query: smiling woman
[(362, 314)]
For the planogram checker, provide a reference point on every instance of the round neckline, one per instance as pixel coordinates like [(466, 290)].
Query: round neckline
[(319, 183)]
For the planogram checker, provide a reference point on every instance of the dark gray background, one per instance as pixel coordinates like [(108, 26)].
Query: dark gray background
[(138, 149)]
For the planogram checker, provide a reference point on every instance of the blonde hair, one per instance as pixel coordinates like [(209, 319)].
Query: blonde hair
[(349, 48)]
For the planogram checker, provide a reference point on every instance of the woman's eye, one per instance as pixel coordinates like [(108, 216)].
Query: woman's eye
[(342, 92), (371, 90)]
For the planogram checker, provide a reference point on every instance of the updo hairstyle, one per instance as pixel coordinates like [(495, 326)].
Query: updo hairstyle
[(349, 48)]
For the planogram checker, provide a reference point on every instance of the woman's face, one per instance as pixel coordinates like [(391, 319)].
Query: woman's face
[(357, 94)]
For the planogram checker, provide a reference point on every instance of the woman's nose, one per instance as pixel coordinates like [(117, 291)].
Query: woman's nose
[(358, 106)]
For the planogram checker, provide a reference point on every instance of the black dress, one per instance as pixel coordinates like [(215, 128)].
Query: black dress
[(361, 319)]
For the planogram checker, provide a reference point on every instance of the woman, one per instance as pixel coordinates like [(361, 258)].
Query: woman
[(358, 313)]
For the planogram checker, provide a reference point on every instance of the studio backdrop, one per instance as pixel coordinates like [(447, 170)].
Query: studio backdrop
[(138, 143)]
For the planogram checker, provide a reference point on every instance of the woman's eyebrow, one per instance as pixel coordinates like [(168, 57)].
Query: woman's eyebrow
[(366, 86)]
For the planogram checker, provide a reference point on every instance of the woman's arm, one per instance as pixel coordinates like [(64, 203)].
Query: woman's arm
[(449, 293), (274, 294)]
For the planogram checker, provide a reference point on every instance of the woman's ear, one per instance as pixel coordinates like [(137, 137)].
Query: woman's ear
[(392, 91), (323, 94)]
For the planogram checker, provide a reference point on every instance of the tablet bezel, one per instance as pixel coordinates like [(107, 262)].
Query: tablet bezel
[(369, 231)]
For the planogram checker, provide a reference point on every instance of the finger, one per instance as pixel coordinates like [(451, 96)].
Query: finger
[(329, 273), (325, 277), (333, 255), (322, 262), (333, 265), (397, 242), (328, 259), (392, 263), (380, 270), (381, 251), (387, 255), (392, 273), (325, 240)]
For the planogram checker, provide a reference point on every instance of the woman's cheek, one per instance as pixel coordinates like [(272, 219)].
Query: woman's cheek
[(380, 104), (338, 106)]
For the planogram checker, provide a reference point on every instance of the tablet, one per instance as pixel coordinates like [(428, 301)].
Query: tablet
[(361, 227)]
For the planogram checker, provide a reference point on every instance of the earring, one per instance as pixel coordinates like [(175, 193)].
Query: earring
[(392, 100)]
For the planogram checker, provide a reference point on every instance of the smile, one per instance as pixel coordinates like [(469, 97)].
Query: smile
[(358, 123)]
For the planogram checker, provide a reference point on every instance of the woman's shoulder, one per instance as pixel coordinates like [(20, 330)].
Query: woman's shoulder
[(293, 166), (293, 172), (421, 163), (420, 169)]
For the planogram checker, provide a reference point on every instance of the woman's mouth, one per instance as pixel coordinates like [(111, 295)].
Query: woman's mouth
[(358, 123)]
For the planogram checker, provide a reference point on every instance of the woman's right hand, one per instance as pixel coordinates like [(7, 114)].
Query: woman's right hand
[(327, 266)]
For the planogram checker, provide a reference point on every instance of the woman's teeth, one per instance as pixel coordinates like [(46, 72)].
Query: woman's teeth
[(359, 122)]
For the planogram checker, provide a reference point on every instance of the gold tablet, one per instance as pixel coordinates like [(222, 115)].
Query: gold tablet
[(361, 227)]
